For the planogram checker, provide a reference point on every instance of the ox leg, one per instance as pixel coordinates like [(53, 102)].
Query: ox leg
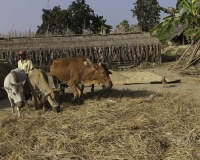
[(63, 89), (12, 104), (80, 89), (13, 109), (18, 111), (74, 90), (92, 88), (44, 103), (35, 102)]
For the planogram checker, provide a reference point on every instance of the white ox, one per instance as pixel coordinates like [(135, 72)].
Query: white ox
[(39, 85), (15, 86)]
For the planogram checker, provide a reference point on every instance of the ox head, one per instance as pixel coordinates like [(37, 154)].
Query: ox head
[(16, 92), (53, 98), (102, 76)]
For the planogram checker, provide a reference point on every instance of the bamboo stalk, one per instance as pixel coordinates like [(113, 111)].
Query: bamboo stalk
[(193, 54), (183, 55), (193, 62)]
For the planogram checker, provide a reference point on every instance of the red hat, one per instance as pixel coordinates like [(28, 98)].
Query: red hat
[(22, 52)]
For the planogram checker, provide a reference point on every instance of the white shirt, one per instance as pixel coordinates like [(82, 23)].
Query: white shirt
[(26, 65)]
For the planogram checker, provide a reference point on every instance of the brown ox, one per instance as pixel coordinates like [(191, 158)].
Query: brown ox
[(39, 85), (74, 71)]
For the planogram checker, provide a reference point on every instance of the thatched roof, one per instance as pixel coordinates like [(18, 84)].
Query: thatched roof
[(177, 32)]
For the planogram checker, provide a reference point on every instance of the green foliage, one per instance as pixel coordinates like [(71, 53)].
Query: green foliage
[(80, 15), (54, 21), (163, 29), (186, 12), (97, 23), (147, 15), (77, 17), (124, 24)]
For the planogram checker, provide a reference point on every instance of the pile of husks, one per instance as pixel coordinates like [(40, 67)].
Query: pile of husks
[(119, 124)]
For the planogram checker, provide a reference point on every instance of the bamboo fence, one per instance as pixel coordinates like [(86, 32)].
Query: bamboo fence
[(115, 49)]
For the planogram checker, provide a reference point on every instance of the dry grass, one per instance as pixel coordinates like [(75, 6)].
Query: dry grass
[(112, 125)]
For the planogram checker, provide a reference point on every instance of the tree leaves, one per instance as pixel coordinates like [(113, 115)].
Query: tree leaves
[(77, 17), (124, 24), (147, 15), (189, 13)]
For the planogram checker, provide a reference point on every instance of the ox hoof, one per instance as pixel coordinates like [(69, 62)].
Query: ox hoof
[(56, 109)]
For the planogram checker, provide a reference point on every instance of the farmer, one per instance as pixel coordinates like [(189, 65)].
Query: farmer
[(24, 63)]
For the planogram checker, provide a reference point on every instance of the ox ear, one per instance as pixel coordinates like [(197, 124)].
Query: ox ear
[(109, 72)]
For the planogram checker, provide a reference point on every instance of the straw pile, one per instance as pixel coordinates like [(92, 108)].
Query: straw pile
[(112, 125)]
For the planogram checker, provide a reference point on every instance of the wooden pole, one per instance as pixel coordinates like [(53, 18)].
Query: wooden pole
[(193, 62), (193, 54), (183, 55)]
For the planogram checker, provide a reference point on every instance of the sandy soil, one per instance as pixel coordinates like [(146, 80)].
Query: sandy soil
[(187, 84)]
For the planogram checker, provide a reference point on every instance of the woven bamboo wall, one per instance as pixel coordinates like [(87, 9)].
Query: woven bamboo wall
[(119, 49)]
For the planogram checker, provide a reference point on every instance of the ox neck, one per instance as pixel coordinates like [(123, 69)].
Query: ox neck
[(87, 72)]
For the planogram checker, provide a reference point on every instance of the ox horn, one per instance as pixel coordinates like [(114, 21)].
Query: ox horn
[(88, 61)]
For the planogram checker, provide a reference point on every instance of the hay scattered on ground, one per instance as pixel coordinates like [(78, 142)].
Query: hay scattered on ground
[(111, 125)]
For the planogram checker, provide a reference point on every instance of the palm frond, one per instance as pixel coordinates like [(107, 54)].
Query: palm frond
[(189, 27), (158, 26), (196, 36), (186, 5), (179, 4), (191, 31)]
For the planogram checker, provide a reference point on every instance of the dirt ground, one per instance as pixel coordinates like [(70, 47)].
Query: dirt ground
[(134, 121), (188, 83)]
